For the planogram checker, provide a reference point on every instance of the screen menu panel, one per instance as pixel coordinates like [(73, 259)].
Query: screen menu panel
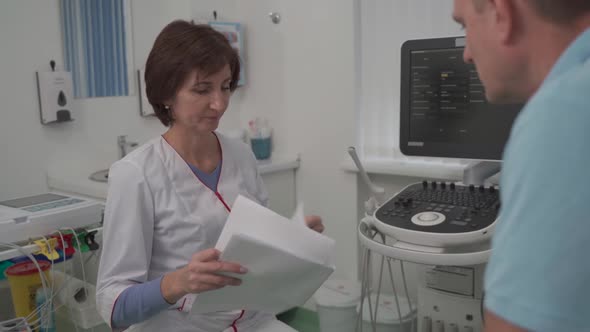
[(448, 103)]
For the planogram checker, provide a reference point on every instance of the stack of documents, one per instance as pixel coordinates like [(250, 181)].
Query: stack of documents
[(286, 261)]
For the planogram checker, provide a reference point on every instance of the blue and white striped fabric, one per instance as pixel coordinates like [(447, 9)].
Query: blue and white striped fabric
[(94, 40)]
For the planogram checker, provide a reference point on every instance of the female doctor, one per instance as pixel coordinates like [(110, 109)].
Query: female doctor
[(169, 199)]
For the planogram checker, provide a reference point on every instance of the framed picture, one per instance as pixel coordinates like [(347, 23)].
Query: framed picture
[(233, 33)]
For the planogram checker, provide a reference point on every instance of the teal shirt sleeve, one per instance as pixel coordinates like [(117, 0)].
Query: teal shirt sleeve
[(538, 276)]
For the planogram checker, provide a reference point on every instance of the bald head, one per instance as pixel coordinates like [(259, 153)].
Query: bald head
[(556, 11), (561, 11), (514, 43)]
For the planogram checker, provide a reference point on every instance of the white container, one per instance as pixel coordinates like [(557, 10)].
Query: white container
[(336, 303), (15, 325), (79, 299), (387, 319), (64, 323), (6, 308)]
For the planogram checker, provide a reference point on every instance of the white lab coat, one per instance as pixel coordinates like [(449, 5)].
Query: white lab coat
[(158, 214)]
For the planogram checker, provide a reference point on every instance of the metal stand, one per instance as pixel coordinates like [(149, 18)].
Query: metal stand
[(366, 287), (472, 254), (404, 252)]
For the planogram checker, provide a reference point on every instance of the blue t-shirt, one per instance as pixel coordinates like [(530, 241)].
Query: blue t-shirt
[(538, 276), (209, 179)]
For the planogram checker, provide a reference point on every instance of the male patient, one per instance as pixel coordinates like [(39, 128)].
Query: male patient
[(538, 277)]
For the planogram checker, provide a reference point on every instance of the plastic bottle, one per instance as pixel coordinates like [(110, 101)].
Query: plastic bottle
[(46, 313)]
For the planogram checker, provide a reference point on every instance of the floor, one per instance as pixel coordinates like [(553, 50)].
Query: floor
[(301, 319)]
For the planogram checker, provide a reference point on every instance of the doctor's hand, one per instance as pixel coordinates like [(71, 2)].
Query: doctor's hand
[(315, 223), (200, 275)]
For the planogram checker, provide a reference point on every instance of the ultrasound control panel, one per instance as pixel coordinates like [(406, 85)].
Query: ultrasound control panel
[(441, 207)]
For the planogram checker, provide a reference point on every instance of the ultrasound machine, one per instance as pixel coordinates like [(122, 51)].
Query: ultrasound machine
[(444, 226)]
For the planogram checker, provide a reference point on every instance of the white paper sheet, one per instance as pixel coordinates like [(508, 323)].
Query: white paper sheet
[(266, 226), (286, 263), (299, 215), (276, 280)]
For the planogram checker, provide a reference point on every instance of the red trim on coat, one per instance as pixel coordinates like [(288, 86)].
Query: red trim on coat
[(221, 158), (222, 201), (233, 325), (217, 194), (220, 198), (182, 306), (113, 310)]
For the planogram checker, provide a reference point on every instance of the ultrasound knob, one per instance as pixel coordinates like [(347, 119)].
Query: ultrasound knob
[(443, 185), (433, 184), (428, 219), (427, 216)]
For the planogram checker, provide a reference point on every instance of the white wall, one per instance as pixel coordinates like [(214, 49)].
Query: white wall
[(300, 74), (30, 36), (264, 62), (320, 101)]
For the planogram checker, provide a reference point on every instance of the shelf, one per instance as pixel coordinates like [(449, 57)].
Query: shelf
[(410, 168), (74, 177)]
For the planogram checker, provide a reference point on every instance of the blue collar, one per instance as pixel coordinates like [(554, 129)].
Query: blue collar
[(576, 54)]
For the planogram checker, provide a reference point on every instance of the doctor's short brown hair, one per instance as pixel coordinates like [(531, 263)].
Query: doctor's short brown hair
[(181, 48)]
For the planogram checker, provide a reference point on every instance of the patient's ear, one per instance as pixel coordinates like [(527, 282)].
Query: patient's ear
[(505, 13)]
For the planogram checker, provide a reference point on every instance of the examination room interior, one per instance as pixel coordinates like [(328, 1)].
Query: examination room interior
[(304, 74)]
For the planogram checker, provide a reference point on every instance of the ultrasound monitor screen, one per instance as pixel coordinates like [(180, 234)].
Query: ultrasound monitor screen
[(444, 111)]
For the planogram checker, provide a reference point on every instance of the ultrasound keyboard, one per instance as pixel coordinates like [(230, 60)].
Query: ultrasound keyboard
[(440, 207)]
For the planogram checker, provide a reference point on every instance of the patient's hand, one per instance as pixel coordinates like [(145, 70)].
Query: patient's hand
[(315, 223)]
